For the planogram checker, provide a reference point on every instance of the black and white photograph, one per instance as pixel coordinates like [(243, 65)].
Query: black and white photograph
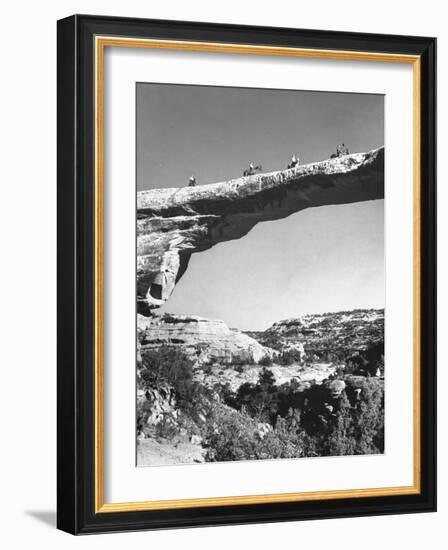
[(260, 274), (221, 253)]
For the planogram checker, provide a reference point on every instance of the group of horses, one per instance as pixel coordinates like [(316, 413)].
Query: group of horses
[(340, 151)]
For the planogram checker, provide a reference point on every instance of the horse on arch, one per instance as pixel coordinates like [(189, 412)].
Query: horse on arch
[(252, 170)]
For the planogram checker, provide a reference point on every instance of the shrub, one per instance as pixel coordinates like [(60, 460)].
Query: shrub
[(234, 435), (303, 422), (259, 400), (352, 423), (367, 413), (167, 428), (289, 357), (168, 365), (265, 361)]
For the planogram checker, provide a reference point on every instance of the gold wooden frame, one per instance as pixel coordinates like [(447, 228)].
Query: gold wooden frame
[(101, 42)]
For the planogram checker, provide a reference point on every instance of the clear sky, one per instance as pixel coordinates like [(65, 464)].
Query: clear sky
[(321, 259)]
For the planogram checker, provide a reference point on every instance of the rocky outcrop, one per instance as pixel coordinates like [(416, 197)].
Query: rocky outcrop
[(348, 331), (303, 376), (157, 404), (174, 223), (207, 341), (335, 388)]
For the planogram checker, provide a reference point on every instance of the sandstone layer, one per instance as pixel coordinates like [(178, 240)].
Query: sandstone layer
[(208, 341), (174, 223)]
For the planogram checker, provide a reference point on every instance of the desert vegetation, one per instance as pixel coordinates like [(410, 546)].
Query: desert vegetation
[(265, 419)]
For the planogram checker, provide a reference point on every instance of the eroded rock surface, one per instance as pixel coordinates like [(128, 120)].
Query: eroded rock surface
[(174, 223), (345, 331), (206, 340)]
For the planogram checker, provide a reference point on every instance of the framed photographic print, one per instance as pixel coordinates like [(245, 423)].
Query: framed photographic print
[(246, 274)]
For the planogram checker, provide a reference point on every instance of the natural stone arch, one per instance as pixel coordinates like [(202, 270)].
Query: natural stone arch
[(174, 223)]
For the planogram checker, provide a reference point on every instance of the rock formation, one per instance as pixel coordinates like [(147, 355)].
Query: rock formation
[(207, 340), (174, 223), (158, 404), (351, 331)]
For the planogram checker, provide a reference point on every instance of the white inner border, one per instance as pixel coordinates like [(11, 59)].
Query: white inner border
[(124, 482)]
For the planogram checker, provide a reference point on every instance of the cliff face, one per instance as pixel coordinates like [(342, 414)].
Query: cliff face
[(328, 336), (174, 223), (206, 340)]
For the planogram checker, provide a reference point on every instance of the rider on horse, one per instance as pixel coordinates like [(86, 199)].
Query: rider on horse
[(294, 162)]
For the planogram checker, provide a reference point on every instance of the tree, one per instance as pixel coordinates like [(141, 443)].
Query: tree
[(265, 361), (234, 435), (259, 400), (266, 380), (168, 365)]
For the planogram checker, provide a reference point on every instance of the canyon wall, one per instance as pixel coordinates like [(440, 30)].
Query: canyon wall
[(204, 340)]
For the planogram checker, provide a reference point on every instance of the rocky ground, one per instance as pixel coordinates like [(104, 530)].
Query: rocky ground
[(234, 378), (163, 452)]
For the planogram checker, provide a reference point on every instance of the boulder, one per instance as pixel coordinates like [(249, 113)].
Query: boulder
[(335, 387)]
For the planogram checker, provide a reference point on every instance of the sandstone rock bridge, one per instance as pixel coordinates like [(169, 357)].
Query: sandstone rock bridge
[(172, 224)]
